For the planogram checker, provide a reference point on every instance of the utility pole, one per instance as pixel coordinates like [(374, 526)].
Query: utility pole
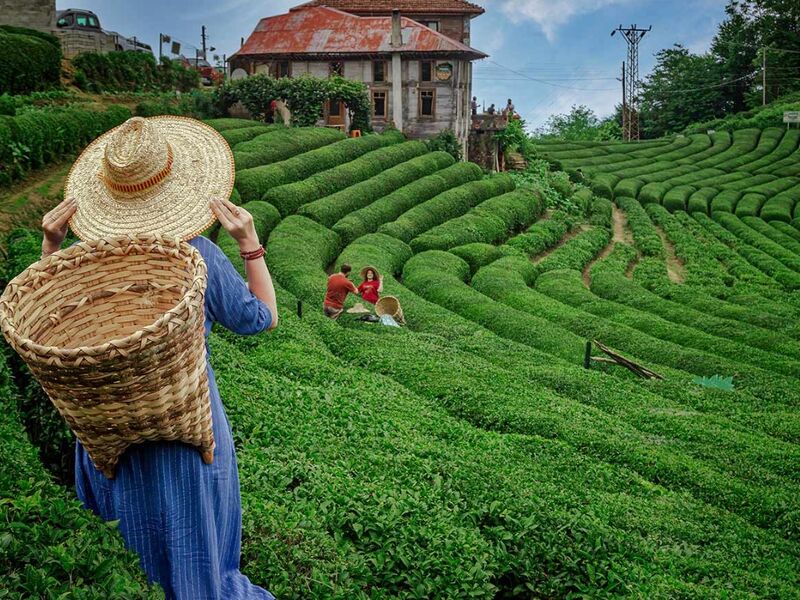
[(624, 101), (203, 38), (630, 81), (763, 76)]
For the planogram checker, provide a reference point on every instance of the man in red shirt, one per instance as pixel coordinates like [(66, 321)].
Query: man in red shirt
[(338, 288)]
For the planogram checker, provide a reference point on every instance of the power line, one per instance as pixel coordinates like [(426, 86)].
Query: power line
[(546, 82)]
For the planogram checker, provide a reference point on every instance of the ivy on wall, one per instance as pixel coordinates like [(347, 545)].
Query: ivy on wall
[(304, 96)]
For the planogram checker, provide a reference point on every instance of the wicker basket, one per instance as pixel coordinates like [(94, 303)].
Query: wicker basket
[(389, 305), (114, 332)]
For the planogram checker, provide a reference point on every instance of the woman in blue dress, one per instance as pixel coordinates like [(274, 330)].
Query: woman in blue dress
[(181, 516)]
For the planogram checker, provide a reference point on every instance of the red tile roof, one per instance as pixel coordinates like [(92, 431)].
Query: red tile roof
[(416, 7), (322, 31)]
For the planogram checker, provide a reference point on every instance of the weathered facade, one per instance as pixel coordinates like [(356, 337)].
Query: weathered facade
[(35, 14), (419, 79)]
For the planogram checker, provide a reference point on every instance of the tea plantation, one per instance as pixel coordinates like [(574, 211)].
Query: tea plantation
[(470, 454)]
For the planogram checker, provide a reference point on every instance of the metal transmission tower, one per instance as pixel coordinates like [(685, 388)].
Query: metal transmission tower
[(630, 81)]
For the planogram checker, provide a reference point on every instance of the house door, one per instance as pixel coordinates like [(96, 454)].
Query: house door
[(336, 113)]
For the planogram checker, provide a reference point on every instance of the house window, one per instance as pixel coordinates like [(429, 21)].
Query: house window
[(427, 103), (426, 70), (65, 21), (379, 105), (431, 25), (379, 71), (280, 69), (82, 21), (336, 68)]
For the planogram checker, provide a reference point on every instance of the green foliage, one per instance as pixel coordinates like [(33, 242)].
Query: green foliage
[(330, 209), (490, 222), (514, 138), (304, 96), (579, 124), (390, 207), (40, 136), (254, 183), (282, 143), (7, 106), (288, 198), (31, 60), (131, 71), (445, 141)]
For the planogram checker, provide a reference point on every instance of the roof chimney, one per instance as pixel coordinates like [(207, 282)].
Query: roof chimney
[(397, 34)]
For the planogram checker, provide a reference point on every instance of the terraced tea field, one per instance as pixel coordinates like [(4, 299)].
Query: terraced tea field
[(470, 454)]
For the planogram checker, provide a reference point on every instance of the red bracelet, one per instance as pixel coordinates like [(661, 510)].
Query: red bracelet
[(253, 254)]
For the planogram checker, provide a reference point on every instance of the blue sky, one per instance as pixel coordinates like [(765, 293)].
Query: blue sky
[(564, 42)]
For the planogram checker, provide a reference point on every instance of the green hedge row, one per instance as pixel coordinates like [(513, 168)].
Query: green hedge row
[(750, 205), (446, 206), (38, 137), (767, 142), (789, 242), (576, 253), (743, 142), (750, 236), (779, 207), (290, 197), (677, 198), (602, 185), (49, 545), (701, 200), (645, 236), (282, 143), (390, 207), (31, 60), (238, 135), (725, 201), (298, 252), (720, 141), (337, 206), (253, 183), (490, 222), (757, 257), (541, 235), (226, 124), (601, 213), (778, 157), (265, 218), (478, 254), (628, 187)]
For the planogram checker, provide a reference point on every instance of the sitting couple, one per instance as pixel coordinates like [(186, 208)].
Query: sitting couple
[(339, 286)]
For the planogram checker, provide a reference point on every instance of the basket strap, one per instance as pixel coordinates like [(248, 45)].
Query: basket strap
[(56, 317)]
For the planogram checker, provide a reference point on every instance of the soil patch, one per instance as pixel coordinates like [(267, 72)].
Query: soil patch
[(619, 233), (569, 235), (676, 271)]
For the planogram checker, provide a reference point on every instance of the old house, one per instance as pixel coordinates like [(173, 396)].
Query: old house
[(417, 65)]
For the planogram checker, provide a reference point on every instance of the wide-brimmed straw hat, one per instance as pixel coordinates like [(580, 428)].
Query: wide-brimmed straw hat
[(150, 176), (363, 272), (358, 309)]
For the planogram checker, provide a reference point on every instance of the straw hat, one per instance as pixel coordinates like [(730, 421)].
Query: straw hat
[(358, 309), (150, 176), (363, 272)]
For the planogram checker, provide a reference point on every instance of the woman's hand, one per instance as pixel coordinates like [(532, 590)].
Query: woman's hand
[(55, 224), (238, 222)]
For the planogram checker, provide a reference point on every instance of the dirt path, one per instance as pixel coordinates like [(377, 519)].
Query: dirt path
[(676, 271), (619, 233)]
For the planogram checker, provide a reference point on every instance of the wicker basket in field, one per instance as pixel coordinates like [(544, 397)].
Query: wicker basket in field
[(114, 332), (389, 305)]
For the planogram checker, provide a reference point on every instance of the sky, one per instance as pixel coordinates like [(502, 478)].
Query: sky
[(546, 55)]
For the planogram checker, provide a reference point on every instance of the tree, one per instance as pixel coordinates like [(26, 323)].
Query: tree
[(734, 48), (580, 123), (682, 89)]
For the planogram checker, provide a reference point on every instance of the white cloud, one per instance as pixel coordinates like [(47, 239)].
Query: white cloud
[(549, 15), (536, 113)]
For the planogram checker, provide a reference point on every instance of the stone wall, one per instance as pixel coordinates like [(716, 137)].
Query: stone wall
[(36, 14)]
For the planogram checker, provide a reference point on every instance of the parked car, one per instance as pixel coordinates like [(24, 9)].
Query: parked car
[(208, 74), (74, 18)]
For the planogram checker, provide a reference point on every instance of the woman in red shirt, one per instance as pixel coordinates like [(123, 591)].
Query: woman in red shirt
[(372, 285)]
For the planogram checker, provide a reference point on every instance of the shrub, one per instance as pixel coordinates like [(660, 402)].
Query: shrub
[(645, 236), (479, 254), (226, 124), (40, 136), (701, 199), (628, 187), (779, 207), (288, 198), (244, 134), (31, 60), (445, 141), (749, 205), (490, 222), (132, 71), (253, 183), (541, 235), (602, 185), (445, 206), (725, 201), (331, 208), (282, 143), (386, 209), (677, 198)]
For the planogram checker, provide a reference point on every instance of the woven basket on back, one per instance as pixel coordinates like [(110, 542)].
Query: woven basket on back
[(389, 305), (114, 332)]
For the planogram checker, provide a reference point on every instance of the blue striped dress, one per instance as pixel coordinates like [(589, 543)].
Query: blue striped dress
[(183, 517)]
